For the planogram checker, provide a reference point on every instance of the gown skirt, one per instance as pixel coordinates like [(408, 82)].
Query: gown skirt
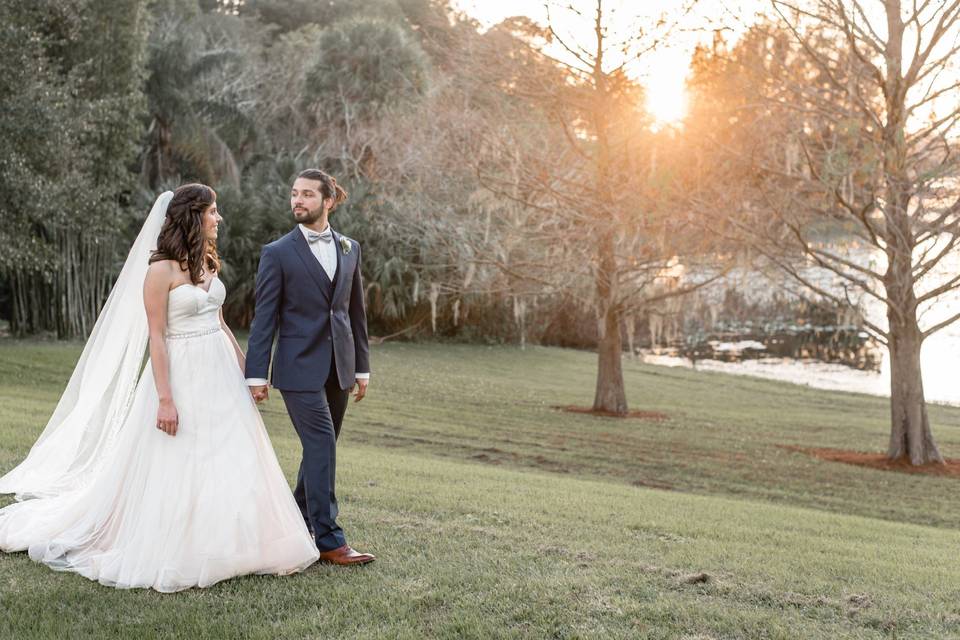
[(174, 512)]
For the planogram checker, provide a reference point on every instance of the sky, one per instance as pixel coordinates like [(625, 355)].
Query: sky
[(663, 71)]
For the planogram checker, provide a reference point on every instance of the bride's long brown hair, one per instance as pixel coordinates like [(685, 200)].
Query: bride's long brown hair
[(182, 238)]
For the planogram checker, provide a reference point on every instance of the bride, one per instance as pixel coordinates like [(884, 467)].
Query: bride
[(170, 482)]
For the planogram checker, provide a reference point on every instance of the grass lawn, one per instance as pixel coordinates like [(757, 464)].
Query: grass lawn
[(494, 515)]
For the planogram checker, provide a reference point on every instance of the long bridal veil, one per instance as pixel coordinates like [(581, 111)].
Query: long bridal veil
[(97, 399)]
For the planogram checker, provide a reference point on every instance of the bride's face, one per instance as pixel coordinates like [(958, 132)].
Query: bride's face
[(209, 221)]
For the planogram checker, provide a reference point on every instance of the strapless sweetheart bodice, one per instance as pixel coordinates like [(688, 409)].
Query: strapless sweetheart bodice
[(193, 311)]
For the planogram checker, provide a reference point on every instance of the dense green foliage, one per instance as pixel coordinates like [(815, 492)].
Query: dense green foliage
[(384, 94), (71, 123), (495, 516), (477, 217)]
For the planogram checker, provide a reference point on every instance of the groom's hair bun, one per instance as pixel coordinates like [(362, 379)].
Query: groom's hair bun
[(328, 185)]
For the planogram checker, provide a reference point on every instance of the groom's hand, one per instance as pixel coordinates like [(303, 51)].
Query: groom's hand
[(361, 389), (259, 393)]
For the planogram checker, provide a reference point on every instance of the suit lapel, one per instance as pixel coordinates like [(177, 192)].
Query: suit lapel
[(341, 263), (311, 263)]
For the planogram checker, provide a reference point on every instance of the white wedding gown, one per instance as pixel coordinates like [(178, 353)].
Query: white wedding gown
[(174, 512)]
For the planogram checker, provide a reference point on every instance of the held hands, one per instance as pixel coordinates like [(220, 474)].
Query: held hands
[(167, 418), (361, 389), (259, 393)]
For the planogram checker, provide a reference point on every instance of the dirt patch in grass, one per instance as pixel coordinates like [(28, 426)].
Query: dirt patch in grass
[(483, 457), (879, 461), (652, 484), (655, 416), (493, 455)]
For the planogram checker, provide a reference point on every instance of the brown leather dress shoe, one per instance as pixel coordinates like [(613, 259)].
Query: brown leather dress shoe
[(346, 556)]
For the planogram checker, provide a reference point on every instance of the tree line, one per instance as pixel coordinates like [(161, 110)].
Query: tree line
[(506, 183)]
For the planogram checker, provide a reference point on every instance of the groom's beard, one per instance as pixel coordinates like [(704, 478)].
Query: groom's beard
[(308, 216)]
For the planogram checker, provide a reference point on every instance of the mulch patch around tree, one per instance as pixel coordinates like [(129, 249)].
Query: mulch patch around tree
[(655, 416), (879, 461)]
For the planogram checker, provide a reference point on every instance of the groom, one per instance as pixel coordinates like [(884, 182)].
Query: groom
[(309, 292)]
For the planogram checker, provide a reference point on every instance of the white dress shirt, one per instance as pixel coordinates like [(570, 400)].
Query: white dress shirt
[(324, 252), (326, 255)]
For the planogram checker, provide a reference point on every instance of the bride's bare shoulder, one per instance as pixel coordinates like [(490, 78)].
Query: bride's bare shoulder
[(161, 272)]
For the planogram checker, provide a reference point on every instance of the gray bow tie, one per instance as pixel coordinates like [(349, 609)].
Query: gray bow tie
[(326, 235)]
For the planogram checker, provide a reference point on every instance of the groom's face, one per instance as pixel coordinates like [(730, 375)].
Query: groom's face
[(306, 200)]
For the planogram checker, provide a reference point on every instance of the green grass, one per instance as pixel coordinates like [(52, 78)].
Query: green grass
[(494, 515)]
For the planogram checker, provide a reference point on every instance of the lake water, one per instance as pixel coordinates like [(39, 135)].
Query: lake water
[(940, 357), (944, 389)]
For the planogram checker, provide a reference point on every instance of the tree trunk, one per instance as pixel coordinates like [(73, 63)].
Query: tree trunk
[(69, 301), (910, 434), (610, 394)]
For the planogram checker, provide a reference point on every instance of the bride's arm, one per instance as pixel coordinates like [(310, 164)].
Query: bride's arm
[(236, 345), (156, 289)]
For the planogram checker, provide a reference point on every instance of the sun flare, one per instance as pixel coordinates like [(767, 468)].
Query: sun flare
[(666, 92), (662, 71)]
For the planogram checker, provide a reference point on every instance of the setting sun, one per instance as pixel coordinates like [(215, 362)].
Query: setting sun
[(662, 70), (665, 85)]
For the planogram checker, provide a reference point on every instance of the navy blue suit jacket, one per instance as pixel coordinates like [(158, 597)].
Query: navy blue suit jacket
[(314, 320)]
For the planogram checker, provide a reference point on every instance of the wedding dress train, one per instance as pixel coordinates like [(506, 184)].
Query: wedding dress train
[(174, 512)]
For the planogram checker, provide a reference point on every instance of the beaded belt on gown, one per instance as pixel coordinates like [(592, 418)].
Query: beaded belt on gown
[(192, 334)]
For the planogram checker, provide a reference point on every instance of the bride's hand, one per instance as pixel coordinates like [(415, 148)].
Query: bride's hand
[(167, 418)]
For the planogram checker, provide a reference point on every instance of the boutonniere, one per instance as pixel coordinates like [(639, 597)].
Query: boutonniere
[(345, 245)]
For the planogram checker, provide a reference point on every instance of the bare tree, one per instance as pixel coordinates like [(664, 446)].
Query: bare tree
[(596, 188), (852, 110)]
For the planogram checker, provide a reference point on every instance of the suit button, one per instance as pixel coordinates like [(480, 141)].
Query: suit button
[(329, 338)]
